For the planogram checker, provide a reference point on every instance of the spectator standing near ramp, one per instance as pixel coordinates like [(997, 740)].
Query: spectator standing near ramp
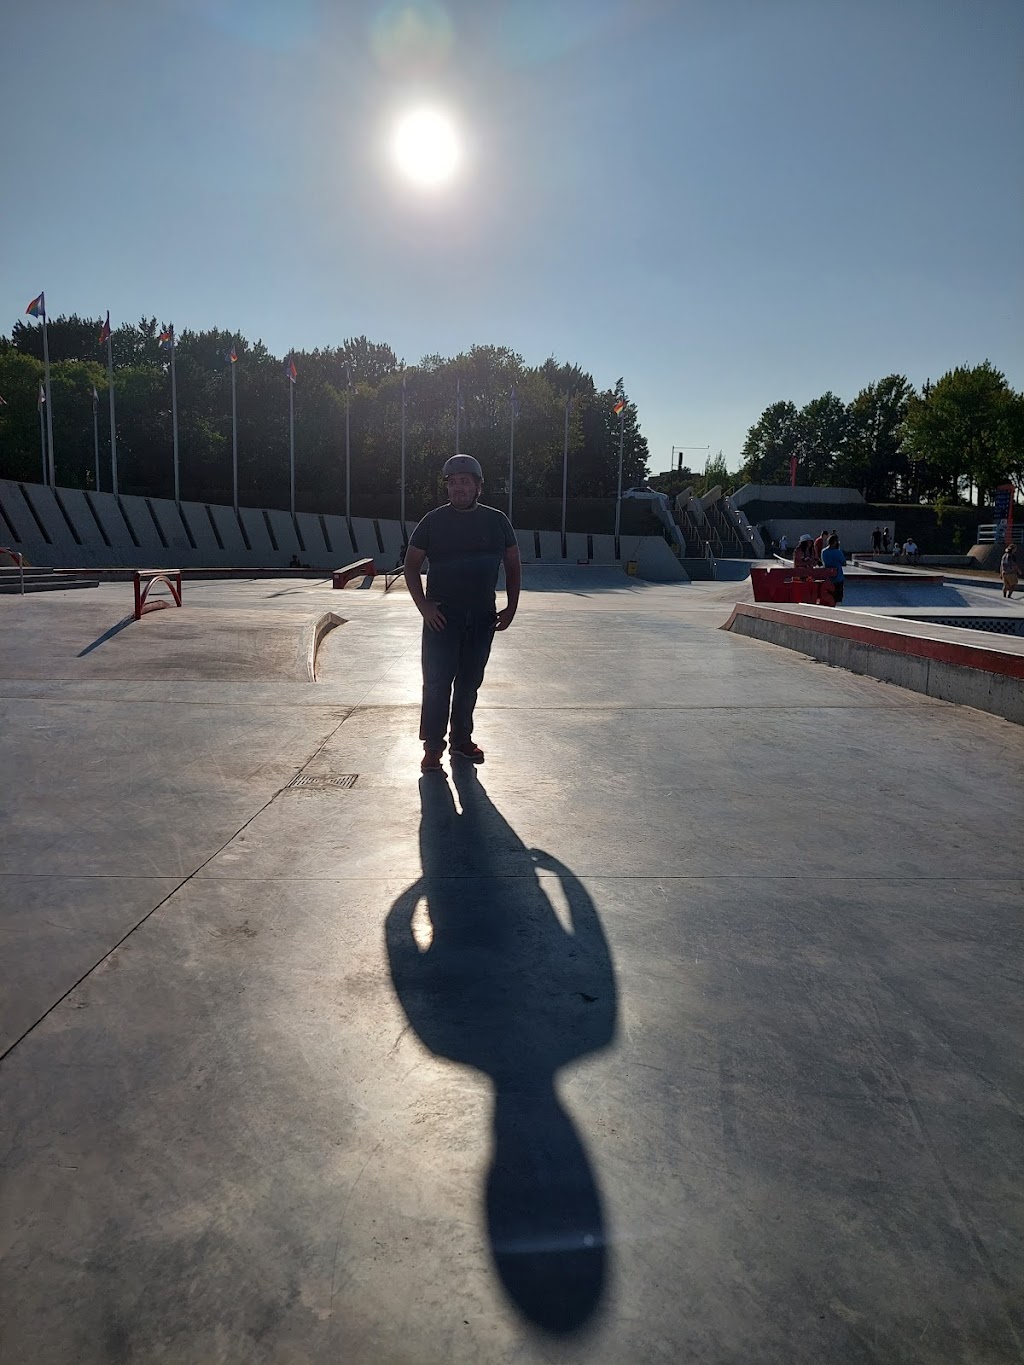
[(832, 557), (804, 556), (466, 544), (1009, 570)]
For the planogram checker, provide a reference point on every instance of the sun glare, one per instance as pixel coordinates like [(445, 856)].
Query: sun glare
[(426, 147)]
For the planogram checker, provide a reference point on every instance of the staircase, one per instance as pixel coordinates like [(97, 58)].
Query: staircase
[(41, 580), (729, 537)]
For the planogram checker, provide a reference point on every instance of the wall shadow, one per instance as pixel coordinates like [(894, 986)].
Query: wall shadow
[(489, 978)]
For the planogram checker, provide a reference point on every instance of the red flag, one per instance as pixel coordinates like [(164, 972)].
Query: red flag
[(105, 329), (792, 471)]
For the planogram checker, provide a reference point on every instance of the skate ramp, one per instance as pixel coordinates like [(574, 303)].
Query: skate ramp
[(901, 593)]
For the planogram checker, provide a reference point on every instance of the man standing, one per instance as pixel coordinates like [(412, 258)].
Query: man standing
[(466, 544)]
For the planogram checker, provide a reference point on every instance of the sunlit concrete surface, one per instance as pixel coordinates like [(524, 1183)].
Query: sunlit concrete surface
[(687, 1028)]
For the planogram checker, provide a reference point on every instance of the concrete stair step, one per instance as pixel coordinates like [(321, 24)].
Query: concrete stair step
[(50, 583)]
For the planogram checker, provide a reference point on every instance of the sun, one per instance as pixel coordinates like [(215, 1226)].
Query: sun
[(426, 147)]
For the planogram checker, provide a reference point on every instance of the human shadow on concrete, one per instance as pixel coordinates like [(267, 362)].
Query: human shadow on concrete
[(489, 977)]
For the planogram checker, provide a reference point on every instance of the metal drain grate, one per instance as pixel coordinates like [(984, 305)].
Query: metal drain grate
[(306, 781)]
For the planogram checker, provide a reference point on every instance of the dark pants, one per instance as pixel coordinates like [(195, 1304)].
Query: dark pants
[(454, 660)]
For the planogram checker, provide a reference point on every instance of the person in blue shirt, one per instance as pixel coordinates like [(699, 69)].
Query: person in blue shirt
[(833, 558)]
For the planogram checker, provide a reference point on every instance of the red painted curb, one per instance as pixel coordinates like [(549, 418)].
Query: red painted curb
[(919, 646)]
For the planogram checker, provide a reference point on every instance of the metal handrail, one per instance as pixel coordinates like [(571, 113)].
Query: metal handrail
[(987, 534)]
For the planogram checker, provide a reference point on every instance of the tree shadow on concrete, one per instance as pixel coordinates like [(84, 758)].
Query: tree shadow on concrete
[(490, 977)]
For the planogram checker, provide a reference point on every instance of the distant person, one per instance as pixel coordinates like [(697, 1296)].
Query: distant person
[(832, 557), (910, 550), (876, 540), (293, 563), (819, 544), (783, 544), (466, 544), (1009, 570), (885, 540), (803, 555)]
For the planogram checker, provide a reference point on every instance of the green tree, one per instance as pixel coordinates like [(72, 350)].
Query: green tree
[(962, 430), (824, 427), (875, 458), (771, 442)]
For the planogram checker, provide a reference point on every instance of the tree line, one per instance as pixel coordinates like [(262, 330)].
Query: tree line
[(359, 380), (961, 436)]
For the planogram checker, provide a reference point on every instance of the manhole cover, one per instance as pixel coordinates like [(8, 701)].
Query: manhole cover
[(305, 780)]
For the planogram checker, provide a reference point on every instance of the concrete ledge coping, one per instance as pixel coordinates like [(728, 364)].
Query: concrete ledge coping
[(926, 642), (312, 636)]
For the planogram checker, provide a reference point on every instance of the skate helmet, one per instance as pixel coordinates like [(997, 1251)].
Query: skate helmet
[(462, 464)]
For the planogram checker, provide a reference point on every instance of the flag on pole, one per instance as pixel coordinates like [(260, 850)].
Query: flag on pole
[(95, 395), (460, 405), (290, 370), (42, 398), (105, 329), (231, 356), (166, 340), (37, 308), (515, 402), (619, 404)]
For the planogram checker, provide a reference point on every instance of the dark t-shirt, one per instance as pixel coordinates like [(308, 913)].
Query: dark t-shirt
[(465, 550)]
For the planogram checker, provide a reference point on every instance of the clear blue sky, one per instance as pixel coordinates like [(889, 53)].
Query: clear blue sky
[(726, 201)]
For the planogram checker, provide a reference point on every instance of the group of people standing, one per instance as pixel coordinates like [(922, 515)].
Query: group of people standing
[(822, 552)]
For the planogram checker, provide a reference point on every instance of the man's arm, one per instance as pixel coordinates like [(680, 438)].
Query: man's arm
[(513, 582), (430, 611)]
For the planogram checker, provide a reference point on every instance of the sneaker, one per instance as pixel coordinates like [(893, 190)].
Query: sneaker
[(469, 750), (431, 761)]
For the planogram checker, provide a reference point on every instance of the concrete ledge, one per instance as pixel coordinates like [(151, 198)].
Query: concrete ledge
[(312, 635), (926, 661)]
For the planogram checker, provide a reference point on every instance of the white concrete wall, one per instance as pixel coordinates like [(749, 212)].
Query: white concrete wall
[(576, 547), (88, 512), (604, 549), (551, 545), (773, 492), (854, 536)]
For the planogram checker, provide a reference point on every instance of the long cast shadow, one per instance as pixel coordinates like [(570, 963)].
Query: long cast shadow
[(489, 977), (107, 635)]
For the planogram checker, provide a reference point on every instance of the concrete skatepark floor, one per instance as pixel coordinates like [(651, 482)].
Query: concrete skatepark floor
[(688, 1028)]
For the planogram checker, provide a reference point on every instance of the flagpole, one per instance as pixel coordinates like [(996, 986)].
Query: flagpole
[(96, 434), (511, 452), (565, 467), (291, 440), (49, 402), (234, 438), (618, 500), (40, 404), (174, 420), (348, 446), (403, 459), (113, 415), (458, 411)]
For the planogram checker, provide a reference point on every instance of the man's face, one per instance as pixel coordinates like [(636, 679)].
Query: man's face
[(462, 490)]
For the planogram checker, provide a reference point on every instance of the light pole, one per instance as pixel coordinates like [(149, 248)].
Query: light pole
[(672, 457)]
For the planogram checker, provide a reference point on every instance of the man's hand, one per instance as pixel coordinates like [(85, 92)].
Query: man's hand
[(433, 616), (504, 618)]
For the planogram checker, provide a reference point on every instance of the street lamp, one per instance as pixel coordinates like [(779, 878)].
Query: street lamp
[(672, 457)]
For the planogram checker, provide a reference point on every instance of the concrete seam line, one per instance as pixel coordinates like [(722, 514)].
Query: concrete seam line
[(164, 899), (312, 635)]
